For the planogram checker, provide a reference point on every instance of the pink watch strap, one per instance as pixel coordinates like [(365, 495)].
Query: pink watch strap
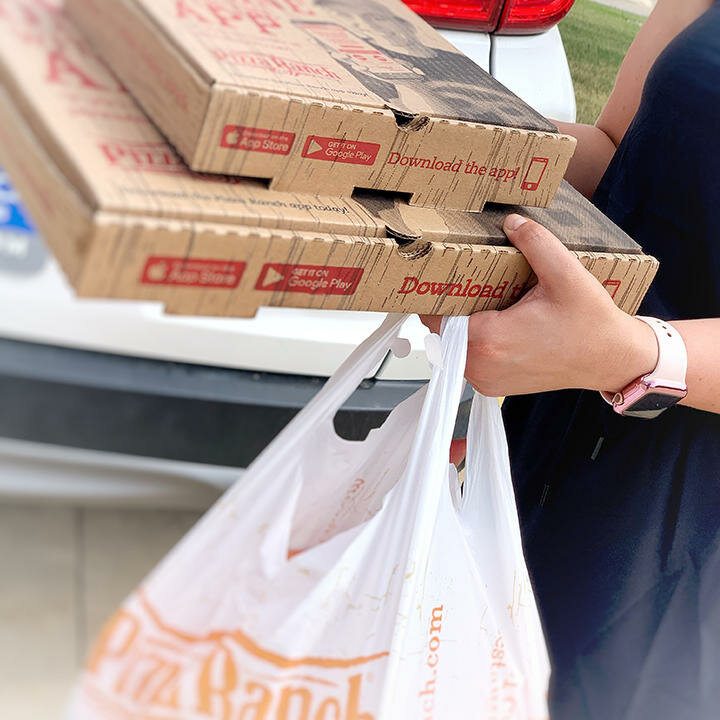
[(671, 368)]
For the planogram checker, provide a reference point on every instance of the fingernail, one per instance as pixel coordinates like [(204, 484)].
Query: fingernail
[(514, 221)]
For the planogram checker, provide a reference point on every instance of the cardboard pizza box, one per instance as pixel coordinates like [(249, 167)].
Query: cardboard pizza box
[(127, 219), (327, 96)]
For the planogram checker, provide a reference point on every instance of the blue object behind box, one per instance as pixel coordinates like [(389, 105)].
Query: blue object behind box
[(21, 250)]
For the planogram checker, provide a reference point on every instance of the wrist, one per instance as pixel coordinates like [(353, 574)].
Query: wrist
[(636, 355)]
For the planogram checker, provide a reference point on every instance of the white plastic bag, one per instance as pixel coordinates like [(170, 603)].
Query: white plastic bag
[(341, 580)]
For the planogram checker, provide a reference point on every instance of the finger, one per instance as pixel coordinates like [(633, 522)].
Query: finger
[(432, 322), (458, 449), (551, 261)]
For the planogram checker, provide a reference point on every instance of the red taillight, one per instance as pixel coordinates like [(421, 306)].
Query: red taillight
[(523, 17), (459, 14), (509, 17)]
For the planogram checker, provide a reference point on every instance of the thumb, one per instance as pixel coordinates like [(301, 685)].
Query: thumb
[(554, 265)]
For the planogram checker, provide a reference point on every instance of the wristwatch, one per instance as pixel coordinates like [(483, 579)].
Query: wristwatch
[(651, 394)]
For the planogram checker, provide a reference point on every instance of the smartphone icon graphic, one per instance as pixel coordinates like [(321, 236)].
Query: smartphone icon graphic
[(534, 173), (612, 286)]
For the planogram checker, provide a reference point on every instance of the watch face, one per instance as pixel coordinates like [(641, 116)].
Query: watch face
[(651, 405)]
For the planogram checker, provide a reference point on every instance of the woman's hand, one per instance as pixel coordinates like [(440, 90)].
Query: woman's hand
[(566, 332)]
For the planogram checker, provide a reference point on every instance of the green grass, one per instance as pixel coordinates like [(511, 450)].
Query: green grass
[(596, 38)]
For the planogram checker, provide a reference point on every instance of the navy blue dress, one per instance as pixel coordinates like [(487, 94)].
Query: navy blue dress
[(621, 516)]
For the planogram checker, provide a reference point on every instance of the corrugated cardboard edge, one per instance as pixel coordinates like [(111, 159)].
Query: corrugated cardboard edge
[(61, 214), (445, 279), (635, 274), (196, 137), (104, 254), (301, 175)]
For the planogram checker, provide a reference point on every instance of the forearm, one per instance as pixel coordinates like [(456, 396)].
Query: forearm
[(566, 332), (593, 154), (636, 355), (702, 340)]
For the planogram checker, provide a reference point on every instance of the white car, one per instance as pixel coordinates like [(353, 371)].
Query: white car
[(109, 401)]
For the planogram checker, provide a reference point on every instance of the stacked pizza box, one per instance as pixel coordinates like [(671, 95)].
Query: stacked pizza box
[(222, 155)]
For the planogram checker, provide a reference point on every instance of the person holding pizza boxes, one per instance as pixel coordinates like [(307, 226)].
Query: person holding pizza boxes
[(613, 421)]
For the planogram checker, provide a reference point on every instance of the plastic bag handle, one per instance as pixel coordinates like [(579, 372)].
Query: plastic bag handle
[(487, 469), (416, 497), (365, 358), (323, 407), (430, 453), (488, 502)]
